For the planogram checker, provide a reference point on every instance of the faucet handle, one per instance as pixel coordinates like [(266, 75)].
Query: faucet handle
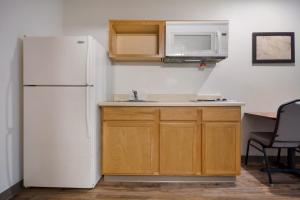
[(135, 94)]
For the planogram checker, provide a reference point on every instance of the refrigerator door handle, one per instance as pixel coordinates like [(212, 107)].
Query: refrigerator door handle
[(87, 117), (88, 62)]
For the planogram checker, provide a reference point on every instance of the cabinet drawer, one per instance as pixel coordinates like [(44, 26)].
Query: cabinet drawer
[(178, 114), (221, 114), (129, 113)]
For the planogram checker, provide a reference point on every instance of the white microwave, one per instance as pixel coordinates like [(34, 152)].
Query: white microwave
[(194, 41)]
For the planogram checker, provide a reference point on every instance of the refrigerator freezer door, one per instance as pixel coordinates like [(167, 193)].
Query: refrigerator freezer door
[(56, 60), (58, 148)]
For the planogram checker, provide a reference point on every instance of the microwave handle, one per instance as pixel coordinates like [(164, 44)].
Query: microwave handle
[(218, 43), (193, 60)]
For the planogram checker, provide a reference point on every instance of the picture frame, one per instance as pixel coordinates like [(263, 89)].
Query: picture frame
[(273, 47)]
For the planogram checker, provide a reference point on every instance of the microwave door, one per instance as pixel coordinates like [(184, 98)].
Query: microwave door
[(209, 48), (194, 44)]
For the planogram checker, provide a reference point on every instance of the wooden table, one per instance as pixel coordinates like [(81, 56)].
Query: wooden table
[(269, 115)]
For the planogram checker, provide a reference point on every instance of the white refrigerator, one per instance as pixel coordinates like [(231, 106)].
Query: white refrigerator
[(64, 78)]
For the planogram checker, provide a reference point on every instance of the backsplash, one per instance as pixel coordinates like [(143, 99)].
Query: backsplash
[(157, 97)]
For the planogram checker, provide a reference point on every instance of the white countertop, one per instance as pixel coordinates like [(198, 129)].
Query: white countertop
[(170, 103)]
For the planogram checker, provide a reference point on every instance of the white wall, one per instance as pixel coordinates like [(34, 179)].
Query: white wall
[(18, 18), (262, 88)]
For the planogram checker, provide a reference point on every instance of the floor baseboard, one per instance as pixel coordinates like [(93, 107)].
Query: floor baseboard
[(12, 191), (170, 179)]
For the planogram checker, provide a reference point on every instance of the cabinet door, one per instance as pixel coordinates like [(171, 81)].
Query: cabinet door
[(221, 148), (179, 148), (130, 147)]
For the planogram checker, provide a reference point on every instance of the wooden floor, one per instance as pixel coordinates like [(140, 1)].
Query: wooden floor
[(252, 184)]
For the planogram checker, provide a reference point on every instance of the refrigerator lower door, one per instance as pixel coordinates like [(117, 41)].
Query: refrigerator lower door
[(56, 60), (58, 148)]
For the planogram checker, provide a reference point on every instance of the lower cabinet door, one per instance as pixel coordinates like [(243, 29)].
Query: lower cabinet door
[(221, 148), (130, 147), (179, 148)]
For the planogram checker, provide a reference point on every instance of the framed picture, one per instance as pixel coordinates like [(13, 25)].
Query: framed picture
[(273, 47)]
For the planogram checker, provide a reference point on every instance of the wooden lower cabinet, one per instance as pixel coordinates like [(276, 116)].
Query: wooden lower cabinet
[(181, 141), (179, 148), (130, 147), (221, 148)]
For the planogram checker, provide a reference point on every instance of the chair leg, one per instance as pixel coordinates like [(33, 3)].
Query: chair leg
[(247, 152), (267, 166), (278, 156)]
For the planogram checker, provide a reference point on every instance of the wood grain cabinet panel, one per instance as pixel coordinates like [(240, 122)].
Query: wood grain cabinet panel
[(221, 148), (130, 113), (221, 114), (179, 114), (136, 40), (179, 148), (130, 147)]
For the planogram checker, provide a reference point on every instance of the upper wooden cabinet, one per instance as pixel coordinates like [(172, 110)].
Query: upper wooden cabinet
[(136, 40)]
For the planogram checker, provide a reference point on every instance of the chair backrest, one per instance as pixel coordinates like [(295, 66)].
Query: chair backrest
[(287, 126)]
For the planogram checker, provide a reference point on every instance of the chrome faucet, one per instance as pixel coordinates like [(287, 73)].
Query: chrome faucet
[(135, 95)]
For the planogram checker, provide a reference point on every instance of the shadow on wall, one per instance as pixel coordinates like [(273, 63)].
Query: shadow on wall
[(166, 65), (13, 114), (160, 78), (252, 123)]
